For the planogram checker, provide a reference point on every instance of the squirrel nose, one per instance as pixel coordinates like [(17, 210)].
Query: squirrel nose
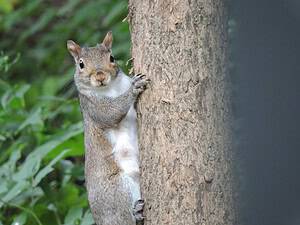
[(100, 76)]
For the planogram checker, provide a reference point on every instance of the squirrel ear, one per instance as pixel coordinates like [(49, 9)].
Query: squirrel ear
[(73, 48), (107, 41)]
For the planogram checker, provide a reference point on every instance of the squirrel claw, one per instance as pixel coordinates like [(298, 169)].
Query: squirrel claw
[(139, 83), (138, 210), (138, 77)]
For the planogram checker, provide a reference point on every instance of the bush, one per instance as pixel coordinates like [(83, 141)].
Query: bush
[(41, 139)]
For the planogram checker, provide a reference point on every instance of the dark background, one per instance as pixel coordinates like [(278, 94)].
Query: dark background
[(266, 66)]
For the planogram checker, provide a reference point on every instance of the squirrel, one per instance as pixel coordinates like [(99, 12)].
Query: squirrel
[(107, 97)]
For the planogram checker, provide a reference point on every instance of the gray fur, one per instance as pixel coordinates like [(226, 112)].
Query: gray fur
[(110, 201), (108, 112)]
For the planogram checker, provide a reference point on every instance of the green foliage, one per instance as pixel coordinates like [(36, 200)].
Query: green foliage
[(38, 31), (39, 169), (41, 134)]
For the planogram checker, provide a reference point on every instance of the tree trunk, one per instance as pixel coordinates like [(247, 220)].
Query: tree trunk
[(184, 117)]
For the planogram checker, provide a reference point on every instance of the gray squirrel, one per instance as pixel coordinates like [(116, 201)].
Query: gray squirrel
[(107, 98)]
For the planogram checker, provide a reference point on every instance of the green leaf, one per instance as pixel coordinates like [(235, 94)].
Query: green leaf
[(20, 219), (52, 207), (87, 218), (3, 187), (33, 119), (14, 157), (47, 169), (74, 215), (76, 146), (32, 163), (2, 138), (6, 98), (16, 190), (22, 90), (6, 6), (30, 193), (15, 96), (29, 168), (67, 197)]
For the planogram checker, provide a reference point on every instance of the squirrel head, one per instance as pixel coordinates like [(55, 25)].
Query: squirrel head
[(95, 66)]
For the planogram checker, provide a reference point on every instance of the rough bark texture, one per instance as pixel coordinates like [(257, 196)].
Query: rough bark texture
[(184, 117)]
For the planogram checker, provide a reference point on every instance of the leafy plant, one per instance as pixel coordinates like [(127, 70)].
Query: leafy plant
[(41, 135), (39, 171)]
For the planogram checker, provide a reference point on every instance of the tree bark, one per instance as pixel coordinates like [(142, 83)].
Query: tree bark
[(184, 117)]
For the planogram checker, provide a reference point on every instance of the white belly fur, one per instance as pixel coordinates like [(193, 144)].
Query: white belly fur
[(125, 144)]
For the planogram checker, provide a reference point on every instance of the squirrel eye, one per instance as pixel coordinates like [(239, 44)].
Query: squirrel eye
[(81, 64), (112, 59)]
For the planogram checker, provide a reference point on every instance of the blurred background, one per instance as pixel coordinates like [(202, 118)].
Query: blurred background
[(41, 141), (265, 51)]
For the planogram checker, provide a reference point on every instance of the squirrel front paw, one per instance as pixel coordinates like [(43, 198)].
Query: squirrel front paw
[(138, 211), (139, 82)]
